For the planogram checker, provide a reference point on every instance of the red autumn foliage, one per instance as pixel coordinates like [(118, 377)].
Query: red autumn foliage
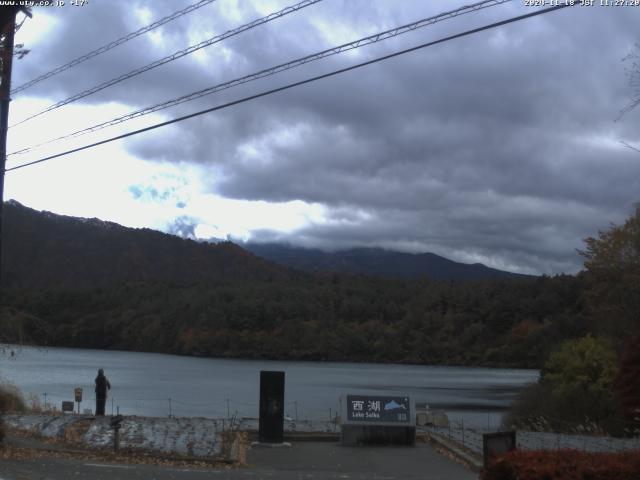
[(564, 465), (628, 380), (525, 328)]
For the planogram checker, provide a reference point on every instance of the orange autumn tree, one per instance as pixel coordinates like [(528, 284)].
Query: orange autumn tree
[(612, 274), (613, 297), (628, 381)]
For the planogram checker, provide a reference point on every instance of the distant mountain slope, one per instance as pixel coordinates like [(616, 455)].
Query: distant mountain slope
[(42, 249), (91, 284), (375, 261)]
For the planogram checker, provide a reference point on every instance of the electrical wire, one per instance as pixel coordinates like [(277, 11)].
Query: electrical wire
[(175, 56), (299, 83), (275, 70), (112, 45)]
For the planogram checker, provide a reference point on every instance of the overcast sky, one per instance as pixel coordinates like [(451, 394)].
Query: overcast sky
[(501, 147)]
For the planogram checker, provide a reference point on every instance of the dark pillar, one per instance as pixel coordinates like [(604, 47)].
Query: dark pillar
[(8, 29), (271, 407)]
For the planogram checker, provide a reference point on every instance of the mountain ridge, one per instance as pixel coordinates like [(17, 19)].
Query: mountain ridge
[(35, 237), (375, 261), (42, 249)]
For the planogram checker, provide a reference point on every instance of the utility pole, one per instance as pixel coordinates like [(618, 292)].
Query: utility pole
[(8, 31)]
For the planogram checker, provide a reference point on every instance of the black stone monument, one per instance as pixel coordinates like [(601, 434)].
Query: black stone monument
[(271, 407)]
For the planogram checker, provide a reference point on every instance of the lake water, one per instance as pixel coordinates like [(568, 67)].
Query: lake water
[(155, 384)]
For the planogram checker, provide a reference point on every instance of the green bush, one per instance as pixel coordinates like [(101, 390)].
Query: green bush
[(575, 392), (587, 365)]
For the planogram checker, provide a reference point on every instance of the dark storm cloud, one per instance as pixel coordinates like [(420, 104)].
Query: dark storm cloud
[(501, 147)]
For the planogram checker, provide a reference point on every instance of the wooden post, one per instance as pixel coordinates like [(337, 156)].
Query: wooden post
[(8, 31)]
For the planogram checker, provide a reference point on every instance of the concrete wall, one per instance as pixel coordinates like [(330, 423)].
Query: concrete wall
[(353, 435)]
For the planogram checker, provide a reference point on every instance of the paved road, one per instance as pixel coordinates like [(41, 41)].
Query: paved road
[(305, 460)]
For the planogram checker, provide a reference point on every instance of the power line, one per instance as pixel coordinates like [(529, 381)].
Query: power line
[(299, 83), (277, 69), (112, 44), (176, 55)]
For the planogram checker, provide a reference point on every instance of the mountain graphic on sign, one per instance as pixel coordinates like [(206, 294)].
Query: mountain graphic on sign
[(393, 405)]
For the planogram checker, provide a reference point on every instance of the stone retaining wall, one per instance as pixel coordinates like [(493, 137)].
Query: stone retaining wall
[(199, 437)]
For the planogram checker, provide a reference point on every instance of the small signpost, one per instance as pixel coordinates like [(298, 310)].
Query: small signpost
[(370, 419), (67, 406), (78, 396)]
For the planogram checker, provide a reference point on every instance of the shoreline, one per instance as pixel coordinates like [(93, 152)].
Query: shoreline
[(266, 359)]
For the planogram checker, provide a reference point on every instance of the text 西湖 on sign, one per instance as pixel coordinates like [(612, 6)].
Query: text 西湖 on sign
[(368, 408)]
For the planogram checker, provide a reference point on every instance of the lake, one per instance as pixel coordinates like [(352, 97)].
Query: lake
[(158, 384)]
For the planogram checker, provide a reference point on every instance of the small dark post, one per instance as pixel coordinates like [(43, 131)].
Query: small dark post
[(271, 426), (497, 443), (116, 423)]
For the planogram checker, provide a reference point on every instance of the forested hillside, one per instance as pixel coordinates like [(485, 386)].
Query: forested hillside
[(42, 250), (87, 283)]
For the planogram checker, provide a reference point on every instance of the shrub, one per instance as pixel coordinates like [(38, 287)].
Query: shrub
[(587, 365), (575, 392), (628, 380), (530, 409), (11, 399), (564, 465)]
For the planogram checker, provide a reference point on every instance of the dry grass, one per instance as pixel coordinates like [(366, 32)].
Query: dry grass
[(127, 457), (234, 447), (74, 433), (35, 406), (11, 400)]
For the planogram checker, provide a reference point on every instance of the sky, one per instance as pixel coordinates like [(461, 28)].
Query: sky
[(503, 147)]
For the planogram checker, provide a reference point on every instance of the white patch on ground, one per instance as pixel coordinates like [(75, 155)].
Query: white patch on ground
[(199, 437), (192, 436), (472, 439)]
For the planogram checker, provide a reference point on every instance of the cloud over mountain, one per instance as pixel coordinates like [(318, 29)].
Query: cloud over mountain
[(500, 147)]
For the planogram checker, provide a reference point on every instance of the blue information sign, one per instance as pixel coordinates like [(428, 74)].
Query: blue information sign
[(369, 408)]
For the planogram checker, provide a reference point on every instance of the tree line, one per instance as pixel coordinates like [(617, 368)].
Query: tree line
[(331, 317)]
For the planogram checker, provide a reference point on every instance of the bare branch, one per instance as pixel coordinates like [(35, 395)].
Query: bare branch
[(630, 146), (633, 74)]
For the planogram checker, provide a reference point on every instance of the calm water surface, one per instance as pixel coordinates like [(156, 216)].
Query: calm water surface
[(152, 384)]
